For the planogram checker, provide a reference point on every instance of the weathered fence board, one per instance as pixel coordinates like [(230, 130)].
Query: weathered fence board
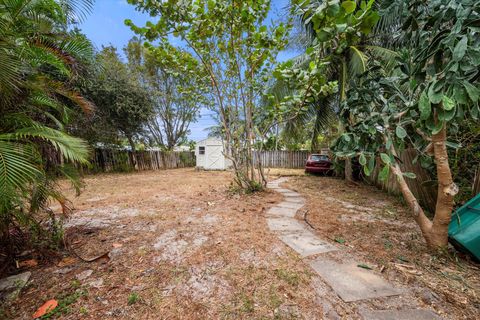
[(282, 159), (425, 192), (109, 160)]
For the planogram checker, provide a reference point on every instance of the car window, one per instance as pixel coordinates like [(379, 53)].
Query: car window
[(318, 157)]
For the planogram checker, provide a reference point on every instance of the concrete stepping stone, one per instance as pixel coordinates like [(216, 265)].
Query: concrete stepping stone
[(352, 283), (307, 244), (285, 224), (291, 194), (10, 287), (292, 205), (412, 314), (295, 199), (282, 212)]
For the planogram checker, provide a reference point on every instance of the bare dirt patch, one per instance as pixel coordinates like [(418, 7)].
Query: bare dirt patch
[(179, 245), (379, 229)]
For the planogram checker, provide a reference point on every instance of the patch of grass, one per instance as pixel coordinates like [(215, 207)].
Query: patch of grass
[(274, 299), (75, 284), (290, 277), (83, 310), (133, 298), (388, 245), (247, 303)]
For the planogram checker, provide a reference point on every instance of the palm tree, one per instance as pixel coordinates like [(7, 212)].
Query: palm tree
[(345, 66), (39, 59)]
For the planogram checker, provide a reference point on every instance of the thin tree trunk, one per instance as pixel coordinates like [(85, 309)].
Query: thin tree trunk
[(348, 170), (418, 214), (134, 150), (316, 131)]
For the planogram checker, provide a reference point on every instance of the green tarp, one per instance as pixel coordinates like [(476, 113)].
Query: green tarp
[(464, 230)]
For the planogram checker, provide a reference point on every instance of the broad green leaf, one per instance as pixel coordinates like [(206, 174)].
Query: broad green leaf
[(362, 159), (444, 115), (409, 175), (349, 6), (475, 111), (433, 96), (388, 145), (459, 94), (366, 170), (333, 9), (460, 49), (383, 175), (473, 92), (312, 65), (447, 103), (323, 36), (385, 158), (424, 106), (400, 132)]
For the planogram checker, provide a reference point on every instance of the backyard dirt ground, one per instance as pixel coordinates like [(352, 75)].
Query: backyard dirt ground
[(178, 244)]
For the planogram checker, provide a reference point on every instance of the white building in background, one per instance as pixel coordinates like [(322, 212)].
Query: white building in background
[(210, 155)]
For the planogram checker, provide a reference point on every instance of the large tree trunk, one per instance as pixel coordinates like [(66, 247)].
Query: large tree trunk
[(446, 192), (436, 232)]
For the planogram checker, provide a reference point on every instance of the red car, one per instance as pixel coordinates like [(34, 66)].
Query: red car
[(318, 163)]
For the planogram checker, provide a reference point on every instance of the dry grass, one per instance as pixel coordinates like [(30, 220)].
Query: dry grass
[(380, 229), (181, 246), (283, 172)]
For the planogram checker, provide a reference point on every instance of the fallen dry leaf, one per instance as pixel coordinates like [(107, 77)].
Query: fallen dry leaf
[(47, 307), (66, 261), (28, 263)]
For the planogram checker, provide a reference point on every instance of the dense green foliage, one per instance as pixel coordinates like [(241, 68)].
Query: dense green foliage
[(121, 101), (38, 59), (236, 49), (177, 86), (404, 82), (435, 85)]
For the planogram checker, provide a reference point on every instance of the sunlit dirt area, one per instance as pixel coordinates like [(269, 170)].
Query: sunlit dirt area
[(180, 244)]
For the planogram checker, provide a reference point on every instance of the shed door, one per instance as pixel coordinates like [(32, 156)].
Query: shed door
[(214, 157)]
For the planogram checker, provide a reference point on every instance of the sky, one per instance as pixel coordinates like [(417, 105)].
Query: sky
[(105, 26)]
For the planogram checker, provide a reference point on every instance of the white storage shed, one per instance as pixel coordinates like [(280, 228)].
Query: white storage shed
[(210, 155)]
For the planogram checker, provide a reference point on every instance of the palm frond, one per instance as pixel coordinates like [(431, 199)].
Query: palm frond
[(18, 167), (357, 64), (71, 148)]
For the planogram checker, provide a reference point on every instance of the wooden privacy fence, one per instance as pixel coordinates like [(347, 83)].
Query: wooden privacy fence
[(282, 159), (108, 160), (425, 192)]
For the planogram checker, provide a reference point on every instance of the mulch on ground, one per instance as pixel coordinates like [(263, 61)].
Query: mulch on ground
[(172, 244), (379, 228)]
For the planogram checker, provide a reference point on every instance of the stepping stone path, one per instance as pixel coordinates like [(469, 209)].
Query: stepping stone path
[(349, 282)]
